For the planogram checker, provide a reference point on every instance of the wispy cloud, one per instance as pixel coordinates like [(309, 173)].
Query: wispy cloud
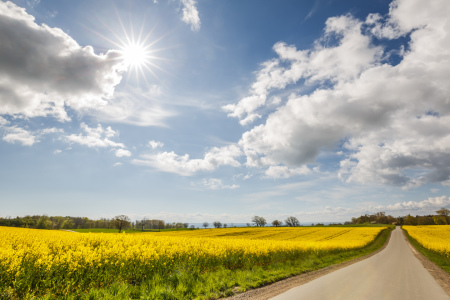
[(190, 14), (217, 184)]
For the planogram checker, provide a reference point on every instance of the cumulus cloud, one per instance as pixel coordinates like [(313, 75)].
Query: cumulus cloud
[(42, 69), (95, 137), (391, 119), (16, 134), (190, 14), (345, 61), (217, 184), (122, 153), (154, 144), (185, 166)]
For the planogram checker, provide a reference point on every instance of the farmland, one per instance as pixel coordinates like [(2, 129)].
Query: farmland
[(433, 241), (200, 264)]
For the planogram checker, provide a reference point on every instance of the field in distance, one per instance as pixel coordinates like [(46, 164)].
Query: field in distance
[(190, 264)]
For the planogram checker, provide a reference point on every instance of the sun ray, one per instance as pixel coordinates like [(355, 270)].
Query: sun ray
[(137, 49)]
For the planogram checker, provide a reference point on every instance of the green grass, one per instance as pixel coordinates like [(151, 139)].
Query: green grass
[(441, 260), (220, 283)]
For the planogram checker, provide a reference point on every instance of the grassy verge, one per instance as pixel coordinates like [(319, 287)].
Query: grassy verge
[(441, 260), (193, 284)]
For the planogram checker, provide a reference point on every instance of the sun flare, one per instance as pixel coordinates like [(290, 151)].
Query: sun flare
[(135, 55)]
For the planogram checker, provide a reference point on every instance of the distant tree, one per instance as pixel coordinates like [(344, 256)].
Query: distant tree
[(248, 224), (410, 220), (443, 212), (68, 224), (259, 221), (292, 221), (161, 224), (425, 220), (225, 225), (205, 224), (186, 225), (440, 220), (192, 226), (44, 223), (217, 224), (277, 223), (142, 223), (121, 222)]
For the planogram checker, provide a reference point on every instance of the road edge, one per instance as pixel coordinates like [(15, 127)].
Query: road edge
[(442, 277), (274, 289)]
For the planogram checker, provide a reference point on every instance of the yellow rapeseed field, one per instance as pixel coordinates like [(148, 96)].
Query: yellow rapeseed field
[(62, 262), (433, 237)]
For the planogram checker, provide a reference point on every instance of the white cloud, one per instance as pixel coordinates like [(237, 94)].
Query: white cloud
[(325, 214), (117, 164), (57, 151), (285, 172), (154, 144), (217, 184), (42, 69), (3, 121), (183, 165), (393, 119), (95, 137), (122, 153), (343, 62), (15, 134), (51, 130), (190, 14)]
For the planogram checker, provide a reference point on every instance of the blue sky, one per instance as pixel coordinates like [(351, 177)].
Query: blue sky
[(221, 110)]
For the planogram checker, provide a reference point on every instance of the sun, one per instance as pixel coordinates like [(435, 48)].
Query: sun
[(135, 55), (136, 50)]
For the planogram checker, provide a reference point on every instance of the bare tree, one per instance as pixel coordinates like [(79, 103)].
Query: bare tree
[(121, 222), (292, 221), (259, 221), (205, 224), (217, 224), (277, 223)]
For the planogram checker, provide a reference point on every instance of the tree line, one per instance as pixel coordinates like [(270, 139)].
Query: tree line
[(440, 218), (120, 222)]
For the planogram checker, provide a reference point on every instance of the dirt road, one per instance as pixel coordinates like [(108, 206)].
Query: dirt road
[(394, 273)]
